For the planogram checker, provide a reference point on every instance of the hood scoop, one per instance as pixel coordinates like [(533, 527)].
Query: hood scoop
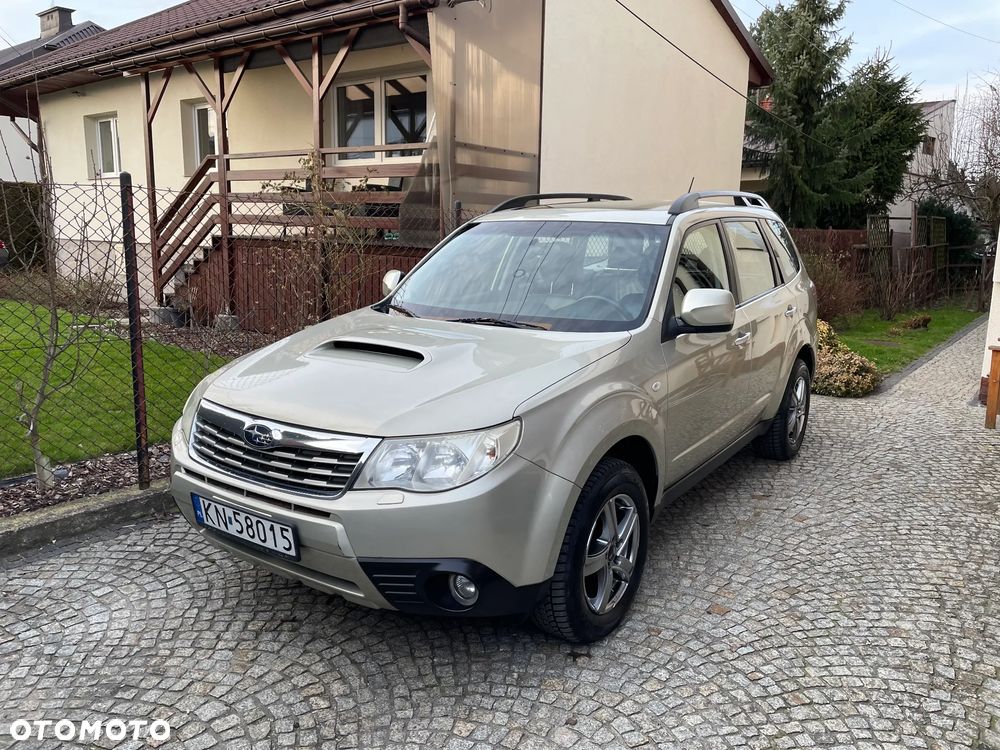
[(370, 352)]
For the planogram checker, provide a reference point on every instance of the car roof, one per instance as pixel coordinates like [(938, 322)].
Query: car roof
[(655, 212)]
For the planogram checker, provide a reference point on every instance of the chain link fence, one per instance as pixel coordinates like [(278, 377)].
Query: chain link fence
[(115, 303)]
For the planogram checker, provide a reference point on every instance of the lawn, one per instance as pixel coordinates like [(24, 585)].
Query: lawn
[(94, 415), (868, 335)]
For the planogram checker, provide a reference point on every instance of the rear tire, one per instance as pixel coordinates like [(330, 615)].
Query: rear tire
[(788, 428), (602, 557)]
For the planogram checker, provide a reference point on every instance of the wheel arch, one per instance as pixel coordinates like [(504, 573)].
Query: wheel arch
[(636, 451), (807, 355)]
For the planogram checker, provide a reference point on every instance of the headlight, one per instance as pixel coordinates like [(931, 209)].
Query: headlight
[(191, 407), (440, 462)]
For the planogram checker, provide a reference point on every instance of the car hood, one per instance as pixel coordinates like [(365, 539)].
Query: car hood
[(368, 373)]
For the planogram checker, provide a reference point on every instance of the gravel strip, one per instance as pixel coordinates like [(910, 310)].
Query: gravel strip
[(226, 344), (90, 477)]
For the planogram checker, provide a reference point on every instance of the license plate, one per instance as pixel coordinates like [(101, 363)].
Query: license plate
[(262, 533)]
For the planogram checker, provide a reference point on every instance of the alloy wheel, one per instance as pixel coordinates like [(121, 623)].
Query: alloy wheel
[(798, 407), (612, 548)]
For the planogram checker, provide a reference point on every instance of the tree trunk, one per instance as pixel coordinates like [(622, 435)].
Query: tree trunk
[(45, 478)]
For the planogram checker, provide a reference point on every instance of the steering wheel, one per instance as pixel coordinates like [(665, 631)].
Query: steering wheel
[(608, 303)]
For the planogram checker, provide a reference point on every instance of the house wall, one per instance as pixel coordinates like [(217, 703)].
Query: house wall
[(487, 92), (941, 126), (270, 112), (17, 162), (624, 112)]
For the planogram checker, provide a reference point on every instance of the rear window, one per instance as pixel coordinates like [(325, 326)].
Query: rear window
[(784, 248), (753, 260)]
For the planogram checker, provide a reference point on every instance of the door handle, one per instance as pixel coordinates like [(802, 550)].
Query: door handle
[(742, 340), (790, 311)]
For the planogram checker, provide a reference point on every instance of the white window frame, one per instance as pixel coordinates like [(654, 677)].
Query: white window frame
[(99, 148), (195, 109), (377, 81)]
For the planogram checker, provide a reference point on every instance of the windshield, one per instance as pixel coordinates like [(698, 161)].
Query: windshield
[(562, 276)]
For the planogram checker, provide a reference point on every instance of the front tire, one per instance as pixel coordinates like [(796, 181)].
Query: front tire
[(788, 428), (602, 557)]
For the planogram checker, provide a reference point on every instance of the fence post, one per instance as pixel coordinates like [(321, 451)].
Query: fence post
[(135, 329)]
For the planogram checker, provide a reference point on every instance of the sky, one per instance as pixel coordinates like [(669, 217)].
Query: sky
[(940, 60)]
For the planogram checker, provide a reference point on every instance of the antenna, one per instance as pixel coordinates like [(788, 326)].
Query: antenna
[(691, 186)]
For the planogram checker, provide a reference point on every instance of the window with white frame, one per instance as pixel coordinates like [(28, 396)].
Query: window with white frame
[(105, 153), (204, 132), (382, 111)]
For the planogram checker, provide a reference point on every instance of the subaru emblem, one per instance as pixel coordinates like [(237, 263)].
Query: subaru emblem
[(259, 436)]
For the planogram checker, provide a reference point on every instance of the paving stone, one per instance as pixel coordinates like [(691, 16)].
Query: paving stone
[(848, 599)]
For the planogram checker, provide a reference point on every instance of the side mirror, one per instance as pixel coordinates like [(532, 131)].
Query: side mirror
[(703, 311), (390, 281)]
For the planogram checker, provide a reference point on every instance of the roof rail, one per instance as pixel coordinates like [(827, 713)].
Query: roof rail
[(523, 200), (691, 201)]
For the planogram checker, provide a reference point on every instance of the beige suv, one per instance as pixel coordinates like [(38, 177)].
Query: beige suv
[(496, 435)]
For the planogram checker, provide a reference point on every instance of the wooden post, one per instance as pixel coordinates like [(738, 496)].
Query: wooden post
[(149, 112), (993, 389), (222, 171), (317, 105)]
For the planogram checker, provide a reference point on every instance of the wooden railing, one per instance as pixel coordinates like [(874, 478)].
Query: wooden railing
[(190, 219)]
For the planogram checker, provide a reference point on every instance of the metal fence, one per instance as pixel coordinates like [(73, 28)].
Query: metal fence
[(918, 274), (115, 302), (107, 321)]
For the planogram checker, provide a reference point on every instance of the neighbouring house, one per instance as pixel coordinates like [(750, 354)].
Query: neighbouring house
[(424, 102), (928, 162), (19, 134), (928, 165)]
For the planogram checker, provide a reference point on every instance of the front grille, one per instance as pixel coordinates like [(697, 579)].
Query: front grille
[(301, 461)]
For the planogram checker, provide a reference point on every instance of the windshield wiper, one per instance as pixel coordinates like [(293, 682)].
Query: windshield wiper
[(498, 322), (402, 311)]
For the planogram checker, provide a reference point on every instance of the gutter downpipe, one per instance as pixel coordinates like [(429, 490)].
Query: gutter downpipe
[(407, 30)]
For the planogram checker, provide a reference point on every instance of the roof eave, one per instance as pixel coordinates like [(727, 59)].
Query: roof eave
[(761, 73)]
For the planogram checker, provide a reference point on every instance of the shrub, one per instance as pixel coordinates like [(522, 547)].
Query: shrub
[(21, 209), (839, 371), (839, 290), (961, 228), (916, 322)]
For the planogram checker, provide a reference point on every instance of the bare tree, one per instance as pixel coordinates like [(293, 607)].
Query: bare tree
[(970, 177)]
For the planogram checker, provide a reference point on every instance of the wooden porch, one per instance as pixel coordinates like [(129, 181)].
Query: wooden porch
[(229, 196)]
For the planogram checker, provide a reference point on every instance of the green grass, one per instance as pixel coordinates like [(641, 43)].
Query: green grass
[(868, 335), (93, 415)]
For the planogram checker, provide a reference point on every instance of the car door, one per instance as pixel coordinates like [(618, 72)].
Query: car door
[(765, 306), (706, 373)]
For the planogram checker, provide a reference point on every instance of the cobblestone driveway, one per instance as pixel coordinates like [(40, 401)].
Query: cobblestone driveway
[(848, 599)]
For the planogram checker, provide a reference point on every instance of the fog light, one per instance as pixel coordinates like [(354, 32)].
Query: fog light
[(464, 590)]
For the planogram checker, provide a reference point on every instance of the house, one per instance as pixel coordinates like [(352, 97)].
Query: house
[(429, 102), (17, 162), (929, 163)]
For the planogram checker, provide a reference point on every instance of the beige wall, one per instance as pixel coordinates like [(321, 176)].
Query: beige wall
[(270, 112), (624, 112), (487, 84)]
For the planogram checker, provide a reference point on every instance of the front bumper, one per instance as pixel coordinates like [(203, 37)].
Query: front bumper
[(391, 549)]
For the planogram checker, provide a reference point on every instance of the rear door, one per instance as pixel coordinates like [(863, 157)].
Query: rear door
[(707, 373), (765, 306)]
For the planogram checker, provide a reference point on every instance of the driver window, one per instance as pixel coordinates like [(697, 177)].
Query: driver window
[(701, 265)]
